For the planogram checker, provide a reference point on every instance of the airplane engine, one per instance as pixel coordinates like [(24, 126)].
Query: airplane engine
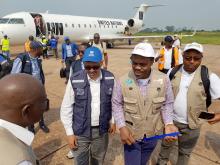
[(134, 24)]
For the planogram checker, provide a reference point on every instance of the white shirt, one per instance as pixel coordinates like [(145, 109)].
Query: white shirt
[(69, 51), (66, 111), (21, 133), (180, 103), (167, 57)]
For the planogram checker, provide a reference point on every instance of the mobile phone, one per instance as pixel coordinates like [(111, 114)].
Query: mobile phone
[(206, 115)]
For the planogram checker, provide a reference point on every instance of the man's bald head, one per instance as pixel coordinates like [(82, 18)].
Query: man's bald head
[(23, 99)]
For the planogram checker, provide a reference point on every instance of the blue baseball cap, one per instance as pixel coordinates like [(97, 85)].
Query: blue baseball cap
[(35, 45), (92, 54)]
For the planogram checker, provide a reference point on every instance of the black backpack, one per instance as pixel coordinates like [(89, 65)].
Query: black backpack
[(5, 68), (205, 81)]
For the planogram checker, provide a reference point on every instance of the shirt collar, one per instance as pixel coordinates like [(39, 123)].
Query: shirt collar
[(32, 58), (19, 132)]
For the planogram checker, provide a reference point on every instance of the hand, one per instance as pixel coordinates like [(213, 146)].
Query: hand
[(112, 129), (215, 119), (72, 141), (170, 128), (126, 136)]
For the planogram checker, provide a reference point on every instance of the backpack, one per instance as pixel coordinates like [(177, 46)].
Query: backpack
[(5, 66), (205, 81)]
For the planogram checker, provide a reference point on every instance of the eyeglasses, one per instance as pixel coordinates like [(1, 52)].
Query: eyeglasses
[(92, 67)]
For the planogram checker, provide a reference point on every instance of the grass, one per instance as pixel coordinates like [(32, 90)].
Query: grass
[(200, 37)]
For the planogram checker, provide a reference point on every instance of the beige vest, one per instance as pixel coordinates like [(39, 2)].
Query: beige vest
[(143, 113), (13, 151), (196, 97)]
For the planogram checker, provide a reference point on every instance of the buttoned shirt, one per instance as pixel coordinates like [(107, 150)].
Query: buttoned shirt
[(143, 84), (21, 133)]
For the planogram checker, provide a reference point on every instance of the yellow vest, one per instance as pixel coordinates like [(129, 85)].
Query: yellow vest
[(161, 61), (196, 97), (44, 41), (143, 113), (5, 44)]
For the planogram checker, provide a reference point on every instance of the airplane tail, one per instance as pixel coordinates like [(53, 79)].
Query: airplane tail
[(142, 9)]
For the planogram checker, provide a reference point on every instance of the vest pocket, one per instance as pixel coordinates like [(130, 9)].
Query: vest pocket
[(157, 104), (130, 105)]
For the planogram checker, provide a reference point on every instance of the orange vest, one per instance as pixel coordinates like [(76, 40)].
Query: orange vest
[(175, 58)]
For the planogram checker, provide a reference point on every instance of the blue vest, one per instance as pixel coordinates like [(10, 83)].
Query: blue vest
[(27, 67), (82, 105)]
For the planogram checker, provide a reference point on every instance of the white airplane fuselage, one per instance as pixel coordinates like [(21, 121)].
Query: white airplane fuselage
[(77, 28)]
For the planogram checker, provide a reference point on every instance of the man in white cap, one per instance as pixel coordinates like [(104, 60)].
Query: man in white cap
[(142, 105), (194, 87)]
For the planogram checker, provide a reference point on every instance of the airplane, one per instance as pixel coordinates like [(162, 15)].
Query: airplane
[(19, 26)]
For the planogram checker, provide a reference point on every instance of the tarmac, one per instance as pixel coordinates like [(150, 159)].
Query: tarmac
[(52, 148)]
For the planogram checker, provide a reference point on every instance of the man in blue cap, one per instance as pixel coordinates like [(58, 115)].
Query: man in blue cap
[(86, 110), (69, 52), (30, 63)]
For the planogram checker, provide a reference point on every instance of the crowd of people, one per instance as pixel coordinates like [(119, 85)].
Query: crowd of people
[(142, 104)]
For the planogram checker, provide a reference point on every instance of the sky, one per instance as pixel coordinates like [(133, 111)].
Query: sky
[(196, 14)]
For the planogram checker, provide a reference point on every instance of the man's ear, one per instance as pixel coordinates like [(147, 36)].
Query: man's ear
[(25, 111)]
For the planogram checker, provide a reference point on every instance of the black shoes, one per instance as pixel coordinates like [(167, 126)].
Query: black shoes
[(45, 128)]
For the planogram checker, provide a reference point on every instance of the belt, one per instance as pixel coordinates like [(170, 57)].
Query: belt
[(95, 126)]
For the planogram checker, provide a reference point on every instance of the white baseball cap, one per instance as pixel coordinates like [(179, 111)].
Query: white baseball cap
[(144, 49), (194, 46)]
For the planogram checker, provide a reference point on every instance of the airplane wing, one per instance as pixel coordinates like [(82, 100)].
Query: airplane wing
[(124, 37)]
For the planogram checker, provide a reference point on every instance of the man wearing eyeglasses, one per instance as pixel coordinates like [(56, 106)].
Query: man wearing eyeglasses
[(86, 110), (142, 105), (189, 83)]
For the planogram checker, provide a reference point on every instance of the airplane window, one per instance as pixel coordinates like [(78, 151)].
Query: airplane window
[(4, 20), (16, 21), (79, 25), (90, 25), (66, 25), (73, 25), (104, 26), (84, 25), (116, 26), (95, 25), (99, 26), (108, 26)]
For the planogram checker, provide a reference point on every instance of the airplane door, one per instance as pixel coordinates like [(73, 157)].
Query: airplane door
[(40, 24)]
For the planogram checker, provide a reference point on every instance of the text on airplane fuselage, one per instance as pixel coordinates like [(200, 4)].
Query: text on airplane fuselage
[(104, 22)]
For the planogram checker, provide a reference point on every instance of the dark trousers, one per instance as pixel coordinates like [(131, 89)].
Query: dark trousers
[(45, 53), (139, 153), (186, 144), (164, 71), (41, 123), (91, 151), (68, 62)]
